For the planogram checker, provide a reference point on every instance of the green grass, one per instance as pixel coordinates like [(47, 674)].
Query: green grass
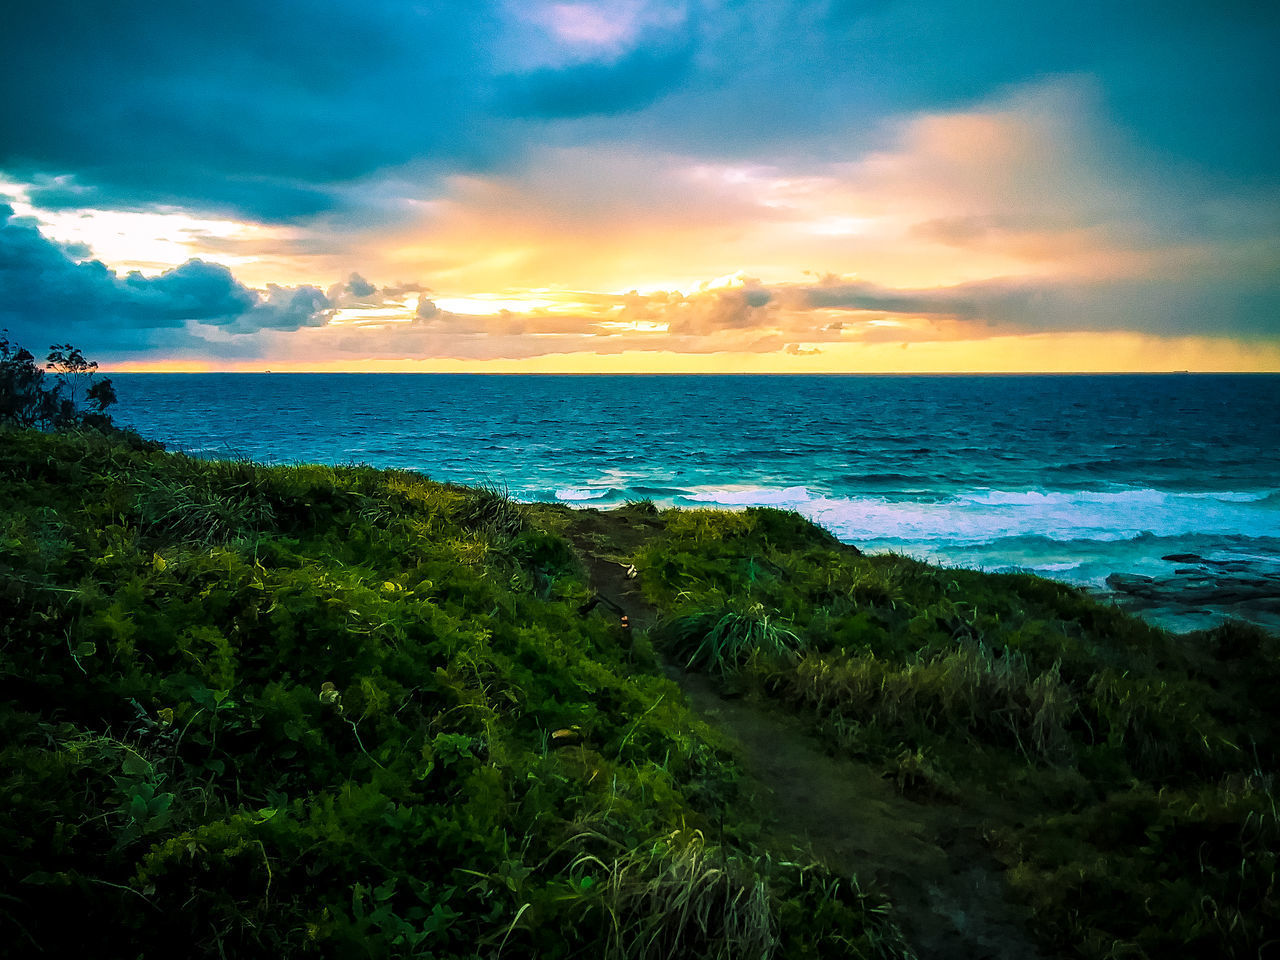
[(1123, 776), (252, 711), (275, 711), (720, 642)]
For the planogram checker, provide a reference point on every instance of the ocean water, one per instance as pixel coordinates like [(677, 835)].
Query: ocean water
[(1073, 477)]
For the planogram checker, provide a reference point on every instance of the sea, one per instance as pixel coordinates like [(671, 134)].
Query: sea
[(1094, 480)]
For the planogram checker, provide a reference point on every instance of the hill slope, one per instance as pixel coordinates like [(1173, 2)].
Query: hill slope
[(280, 711)]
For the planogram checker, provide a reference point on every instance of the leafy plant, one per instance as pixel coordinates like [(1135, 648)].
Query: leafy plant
[(679, 896), (1119, 772), (722, 641)]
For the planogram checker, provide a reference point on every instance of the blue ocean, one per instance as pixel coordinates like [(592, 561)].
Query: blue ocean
[(1073, 477)]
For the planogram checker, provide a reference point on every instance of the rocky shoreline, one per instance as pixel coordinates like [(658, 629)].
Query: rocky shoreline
[(1200, 592)]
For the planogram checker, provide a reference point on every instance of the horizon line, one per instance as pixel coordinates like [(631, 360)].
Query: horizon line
[(705, 373)]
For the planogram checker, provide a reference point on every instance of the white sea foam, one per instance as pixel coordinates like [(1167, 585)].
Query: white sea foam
[(1085, 515), (1129, 498), (1060, 568), (753, 497), (985, 516), (582, 493)]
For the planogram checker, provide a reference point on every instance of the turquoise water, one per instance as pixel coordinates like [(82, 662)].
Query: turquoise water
[(1073, 477)]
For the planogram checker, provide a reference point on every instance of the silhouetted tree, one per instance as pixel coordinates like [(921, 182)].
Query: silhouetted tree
[(72, 396)]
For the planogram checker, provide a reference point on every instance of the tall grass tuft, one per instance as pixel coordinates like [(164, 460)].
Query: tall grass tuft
[(682, 897), (490, 509), (975, 689), (720, 642), (203, 509)]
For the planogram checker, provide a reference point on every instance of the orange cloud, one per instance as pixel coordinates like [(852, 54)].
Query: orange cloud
[(964, 235)]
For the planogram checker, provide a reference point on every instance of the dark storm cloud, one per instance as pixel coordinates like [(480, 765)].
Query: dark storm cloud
[(42, 289), (1188, 81), (1166, 305), (143, 187), (267, 110), (1194, 80), (598, 88), (284, 308), (967, 301), (233, 106)]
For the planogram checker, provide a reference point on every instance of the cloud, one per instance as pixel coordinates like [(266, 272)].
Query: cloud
[(634, 81), (206, 292), (266, 199), (1190, 82), (738, 315), (604, 29), (1017, 205), (286, 308), (42, 290), (746, 305), (282, 112), (956, 172), (745, 315), (262, 111), (354, 291)]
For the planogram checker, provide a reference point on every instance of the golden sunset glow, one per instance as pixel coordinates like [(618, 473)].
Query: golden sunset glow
[(1015, 230), (1067, 353)]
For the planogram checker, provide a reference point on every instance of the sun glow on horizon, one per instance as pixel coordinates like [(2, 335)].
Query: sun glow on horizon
[(1066, 353), (483, 305), (968, 240)]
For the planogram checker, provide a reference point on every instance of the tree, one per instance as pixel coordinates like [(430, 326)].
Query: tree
[(74, 396), (24, 399), (77, 379)]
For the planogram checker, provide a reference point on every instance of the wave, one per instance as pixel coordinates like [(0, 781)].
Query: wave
[(571, 494), (1084, 515), (752, 497), (1089, 562), (1137, 496), (665, 492), (980, 516)]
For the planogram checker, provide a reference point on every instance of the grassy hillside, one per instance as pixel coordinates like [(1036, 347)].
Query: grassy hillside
[(254, 711), (1124, 777)]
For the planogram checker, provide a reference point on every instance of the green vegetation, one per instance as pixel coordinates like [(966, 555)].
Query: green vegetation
[(72, 396), (252, 711), (721, 642), (1124, 777)]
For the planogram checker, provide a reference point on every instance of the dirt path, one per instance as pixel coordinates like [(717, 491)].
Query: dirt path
[(946, 890)]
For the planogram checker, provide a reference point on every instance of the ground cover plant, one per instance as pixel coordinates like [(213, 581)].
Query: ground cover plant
[(1123, 777), (305, 710), (302, 710)]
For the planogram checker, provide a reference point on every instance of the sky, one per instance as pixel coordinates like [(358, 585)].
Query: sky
[(643, 185)]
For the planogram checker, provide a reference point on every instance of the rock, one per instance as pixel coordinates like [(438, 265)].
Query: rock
[(1131, 583), (1213, 588)]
